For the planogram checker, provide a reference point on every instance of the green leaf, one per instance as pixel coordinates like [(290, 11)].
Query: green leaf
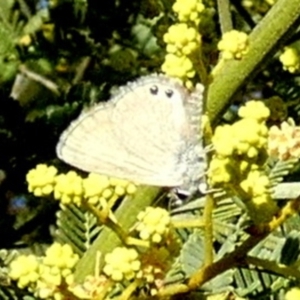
[(191, 259), (277, 170), (76, 227), (261, 283)]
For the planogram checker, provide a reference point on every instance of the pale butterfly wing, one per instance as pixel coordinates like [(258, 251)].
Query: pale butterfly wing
[(87, 143), (158, 128), (141, 135)]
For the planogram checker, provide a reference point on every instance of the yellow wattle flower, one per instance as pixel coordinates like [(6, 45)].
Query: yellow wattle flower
[(290, 59), (234, 44)]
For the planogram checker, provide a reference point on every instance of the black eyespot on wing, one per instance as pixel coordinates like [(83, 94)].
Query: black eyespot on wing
[(169, 93), (154, 90)]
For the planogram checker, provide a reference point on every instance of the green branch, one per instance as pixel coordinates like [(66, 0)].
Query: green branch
[(265, 37), (273, 266)]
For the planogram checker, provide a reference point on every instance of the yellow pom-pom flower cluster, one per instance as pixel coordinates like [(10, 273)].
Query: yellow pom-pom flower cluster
[(56, 269), (292, 294), (68, 188), (122, 187), (245, 137), (71, 188), (122, 263), (290, 59), (41, 180), (234, 44), (178, 66), (284, 142), (255, 110), (95, 186), (183, 40), (154, 224), (61, 257), (240, 152), (261, 206), (25, 270), (188, 10), (256, 183), (44, 275), (240, 145)]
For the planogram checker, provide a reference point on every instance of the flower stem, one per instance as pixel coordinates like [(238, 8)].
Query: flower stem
[(224, 15), (108, 240), (208, 230)]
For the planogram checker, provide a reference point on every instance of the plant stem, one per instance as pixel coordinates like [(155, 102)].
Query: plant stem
[(274, 267), (208, 230), (129, 290), (189, 223), (282, 18), (200, 67), (224, 15)]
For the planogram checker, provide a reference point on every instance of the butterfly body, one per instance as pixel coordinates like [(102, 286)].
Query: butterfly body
[(148, 133)]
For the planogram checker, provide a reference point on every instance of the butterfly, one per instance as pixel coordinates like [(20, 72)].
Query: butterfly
[(148, 133)]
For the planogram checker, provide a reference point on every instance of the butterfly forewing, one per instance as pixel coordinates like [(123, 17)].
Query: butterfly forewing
[(140, 135), (156, 131)]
